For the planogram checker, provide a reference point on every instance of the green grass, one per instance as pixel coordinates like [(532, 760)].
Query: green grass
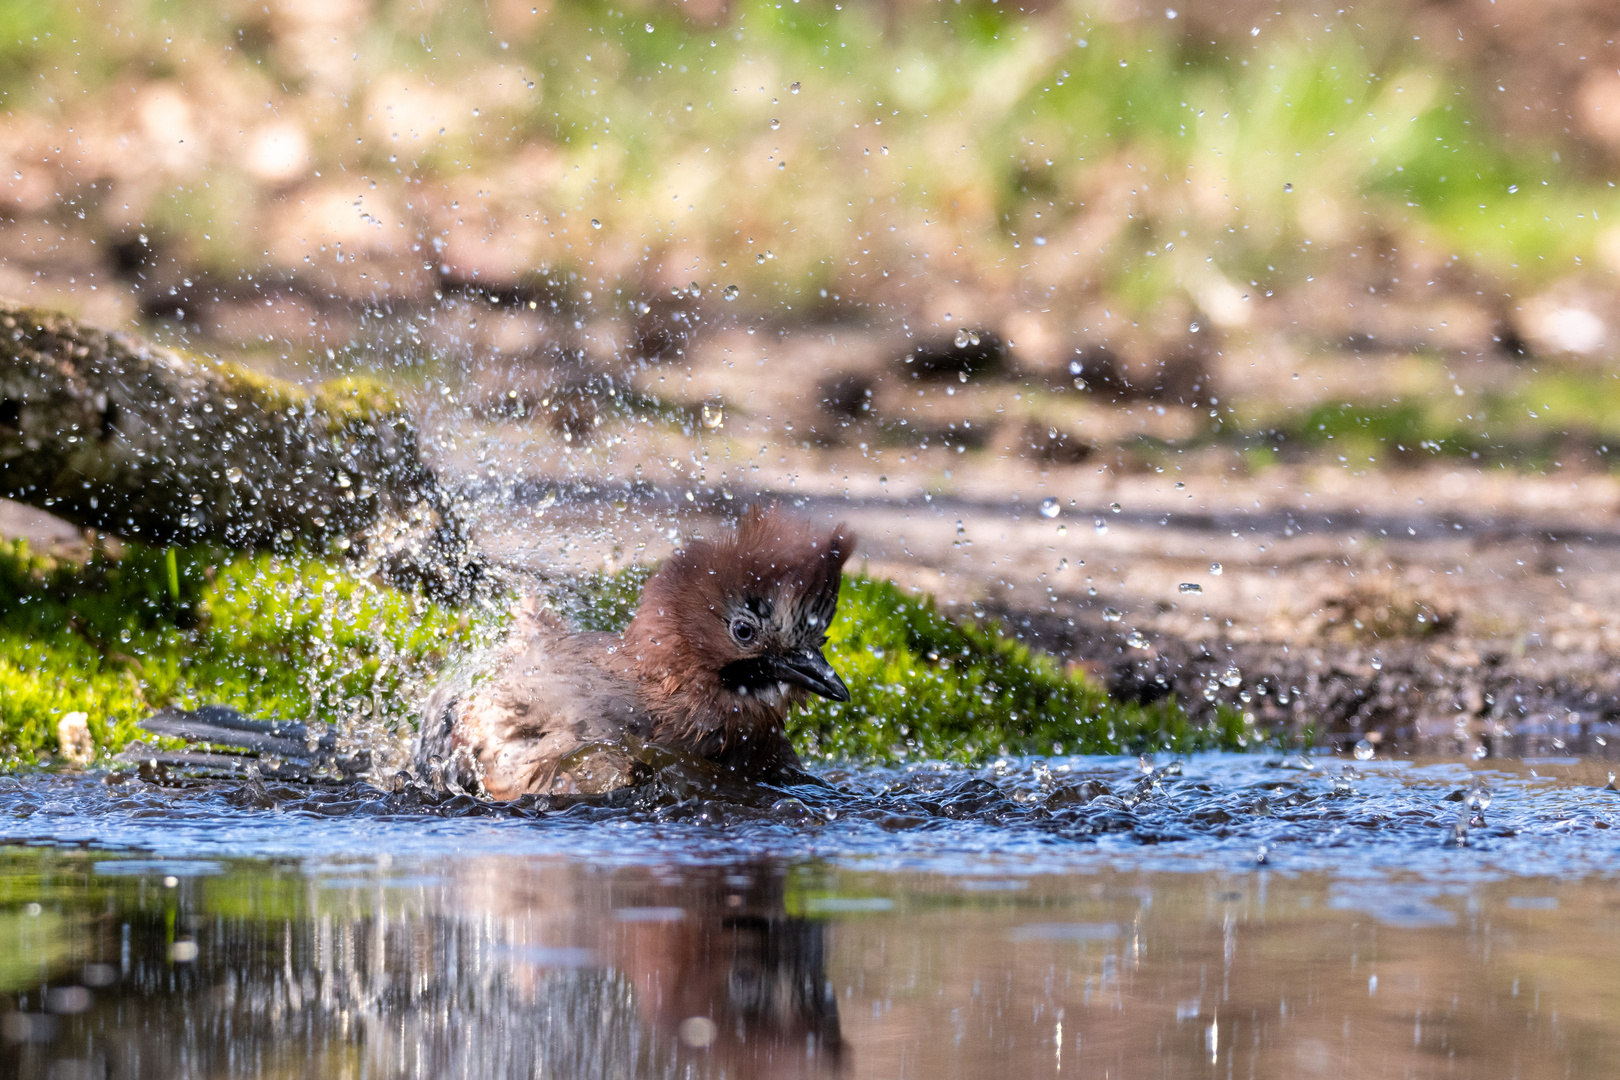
[(304, 639)]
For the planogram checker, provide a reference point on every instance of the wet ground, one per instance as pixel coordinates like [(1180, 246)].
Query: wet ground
[(1227, 916)]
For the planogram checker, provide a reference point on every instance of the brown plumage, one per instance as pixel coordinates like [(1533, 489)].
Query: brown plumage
[(727, 637)]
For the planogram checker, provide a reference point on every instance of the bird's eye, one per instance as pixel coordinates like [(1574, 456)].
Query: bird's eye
[(742, 630)]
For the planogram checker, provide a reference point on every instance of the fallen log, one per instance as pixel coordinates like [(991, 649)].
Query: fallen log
[(116, 433)]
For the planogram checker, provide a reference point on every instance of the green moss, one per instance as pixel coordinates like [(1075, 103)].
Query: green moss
[(923, 685), (356, 398), (291, 638), (603, 602), (343, 402), (264, 391)]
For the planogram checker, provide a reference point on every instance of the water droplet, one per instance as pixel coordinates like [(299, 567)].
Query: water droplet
[(1050, 508), (732, 292), (697, 1031), (775, 123), (649, 28), (1115, 507), (1136, 640), (794, 88), (234, 475), (760, 258), (962, 339), (1377, 664), (1101, 526), (343, 480), (1231, 677), (595, 224), (1214, 569), (960, 528), (1190, 587), (1288, 187), (1181, 485), (713, 416), (1364, 750), (1112, 614)]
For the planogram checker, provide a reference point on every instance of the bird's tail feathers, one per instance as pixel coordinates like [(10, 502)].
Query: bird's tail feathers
[(221, 740)]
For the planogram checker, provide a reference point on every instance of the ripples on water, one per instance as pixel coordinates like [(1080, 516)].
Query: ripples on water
[(1212, 812), (1032, 918)]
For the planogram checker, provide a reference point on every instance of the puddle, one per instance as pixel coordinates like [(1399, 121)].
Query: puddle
[(1063, 917)]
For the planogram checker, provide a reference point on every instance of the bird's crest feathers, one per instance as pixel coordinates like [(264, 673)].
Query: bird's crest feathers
[(723, 613)]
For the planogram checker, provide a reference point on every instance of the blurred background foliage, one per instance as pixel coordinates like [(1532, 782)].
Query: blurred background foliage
[(613, 143), (1159, 201)]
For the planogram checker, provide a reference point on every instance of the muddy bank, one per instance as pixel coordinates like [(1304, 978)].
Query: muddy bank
[(1445, 696)]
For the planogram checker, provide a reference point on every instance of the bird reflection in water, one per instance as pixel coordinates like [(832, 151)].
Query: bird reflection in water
[(499, 968)]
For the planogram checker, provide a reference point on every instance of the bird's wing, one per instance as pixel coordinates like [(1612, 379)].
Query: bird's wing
[(551, 694)]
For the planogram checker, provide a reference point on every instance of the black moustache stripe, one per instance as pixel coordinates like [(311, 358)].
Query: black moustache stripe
[(752, 674)]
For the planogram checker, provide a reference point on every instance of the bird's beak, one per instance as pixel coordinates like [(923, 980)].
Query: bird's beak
[(809, 669)]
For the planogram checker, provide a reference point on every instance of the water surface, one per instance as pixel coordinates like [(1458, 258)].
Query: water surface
[(1228, 916)]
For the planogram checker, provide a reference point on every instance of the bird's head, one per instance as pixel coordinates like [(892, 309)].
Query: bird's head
[(732, 629)]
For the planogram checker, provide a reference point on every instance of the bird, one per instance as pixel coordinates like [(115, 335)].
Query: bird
[(728, 635)]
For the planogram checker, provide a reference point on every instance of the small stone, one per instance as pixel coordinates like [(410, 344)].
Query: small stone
[(73, 739)]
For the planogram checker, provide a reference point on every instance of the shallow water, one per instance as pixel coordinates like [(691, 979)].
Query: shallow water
[(1225, 916)]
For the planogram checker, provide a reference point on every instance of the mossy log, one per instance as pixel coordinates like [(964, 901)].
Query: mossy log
[(116, 433)]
